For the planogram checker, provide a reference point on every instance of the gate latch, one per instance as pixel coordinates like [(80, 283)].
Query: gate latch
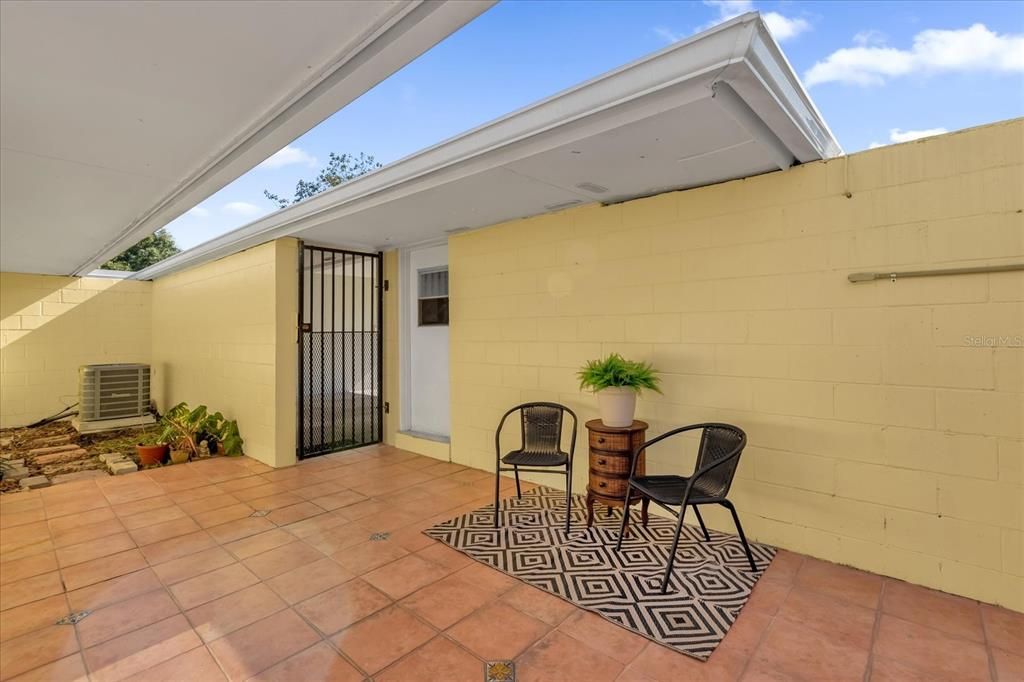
[(306, 327)]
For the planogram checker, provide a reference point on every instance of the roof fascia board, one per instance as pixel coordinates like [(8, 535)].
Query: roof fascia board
[(401, 35), (554, 121), (770, 66), (400, 181)]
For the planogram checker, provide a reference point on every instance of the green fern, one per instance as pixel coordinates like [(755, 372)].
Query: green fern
[(615, 371)]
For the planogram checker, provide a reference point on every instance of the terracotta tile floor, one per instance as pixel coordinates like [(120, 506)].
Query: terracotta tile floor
[(184, 583)]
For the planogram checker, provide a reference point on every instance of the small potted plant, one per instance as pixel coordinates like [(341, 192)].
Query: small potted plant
[(616, 382), (151, 451), (180, 452)]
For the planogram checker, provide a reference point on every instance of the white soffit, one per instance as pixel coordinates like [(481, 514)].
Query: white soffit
[(721, 105), (117, 117)]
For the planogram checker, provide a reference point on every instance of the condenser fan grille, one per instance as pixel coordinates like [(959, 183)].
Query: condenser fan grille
[(113, 391)]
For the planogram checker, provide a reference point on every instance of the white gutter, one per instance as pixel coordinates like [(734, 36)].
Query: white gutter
[(646, 86), (404, 33)]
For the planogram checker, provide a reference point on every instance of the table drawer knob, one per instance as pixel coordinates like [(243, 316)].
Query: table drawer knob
[(602, 461), (602, 484), (600, 439)]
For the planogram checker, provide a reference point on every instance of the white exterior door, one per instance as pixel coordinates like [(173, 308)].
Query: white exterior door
[(427, 350)]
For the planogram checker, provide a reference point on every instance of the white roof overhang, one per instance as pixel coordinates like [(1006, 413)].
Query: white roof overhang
[(117, 117), (721, 105)]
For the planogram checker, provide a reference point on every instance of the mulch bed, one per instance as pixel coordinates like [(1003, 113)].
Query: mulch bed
[(56, 448)]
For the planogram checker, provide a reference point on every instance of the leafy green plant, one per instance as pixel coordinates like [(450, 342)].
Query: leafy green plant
[(185, 429), (230, 440), (615, 371)]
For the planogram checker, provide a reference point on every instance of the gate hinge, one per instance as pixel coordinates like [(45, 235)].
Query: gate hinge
[(387, 285), (387, 408)]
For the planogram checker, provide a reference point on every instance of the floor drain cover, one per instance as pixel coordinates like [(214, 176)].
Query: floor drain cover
[(501, 671), (260, 512), (377, 537), (73, 618)]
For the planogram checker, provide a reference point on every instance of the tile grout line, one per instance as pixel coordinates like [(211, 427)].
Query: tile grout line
[(771, 621), (67, 604), (875, 629), (993, 671), (291, 607), (163, 586), (81, 650), (181, 611)]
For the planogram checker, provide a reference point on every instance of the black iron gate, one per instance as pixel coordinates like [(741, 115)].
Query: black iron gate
[(340, 350)]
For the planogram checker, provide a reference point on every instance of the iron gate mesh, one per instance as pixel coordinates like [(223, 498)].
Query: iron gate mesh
[(340, 350)]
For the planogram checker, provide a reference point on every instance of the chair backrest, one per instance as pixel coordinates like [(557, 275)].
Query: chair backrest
[(717, 442), (542, 427)]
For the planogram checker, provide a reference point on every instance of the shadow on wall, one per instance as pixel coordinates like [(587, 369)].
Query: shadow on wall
[(51, 325)]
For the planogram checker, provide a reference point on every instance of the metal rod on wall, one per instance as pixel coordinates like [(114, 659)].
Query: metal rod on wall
[(893, 276)]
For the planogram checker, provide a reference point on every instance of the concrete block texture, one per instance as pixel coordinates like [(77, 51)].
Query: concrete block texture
[(885, 420)]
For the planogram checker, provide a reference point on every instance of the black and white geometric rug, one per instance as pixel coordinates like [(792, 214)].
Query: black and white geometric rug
[(712, 580)]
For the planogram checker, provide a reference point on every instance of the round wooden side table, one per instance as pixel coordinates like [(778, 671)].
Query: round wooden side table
[(610, 451)]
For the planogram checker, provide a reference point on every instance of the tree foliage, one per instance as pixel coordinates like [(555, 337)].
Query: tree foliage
[(152, 249), (340, 168)]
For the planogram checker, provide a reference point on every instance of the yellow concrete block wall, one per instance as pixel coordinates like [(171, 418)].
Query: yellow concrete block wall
[(392, 354), (50, 326), (224, 335), (884, 419)]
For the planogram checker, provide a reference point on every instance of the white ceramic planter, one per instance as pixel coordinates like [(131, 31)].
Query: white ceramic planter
[(617, 406)]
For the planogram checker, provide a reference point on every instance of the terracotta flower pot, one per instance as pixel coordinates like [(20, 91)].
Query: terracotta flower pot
[(617, 406), (151, 454), (179, 456)]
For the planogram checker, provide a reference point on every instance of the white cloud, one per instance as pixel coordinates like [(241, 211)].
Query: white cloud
[(869, 37), (896, 135), (782, 27), (667, 34), (199, 212), (935, 50), (244, 208), (731, 8), (289, 156)]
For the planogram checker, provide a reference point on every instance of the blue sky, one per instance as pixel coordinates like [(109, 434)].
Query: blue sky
[(879, 72)]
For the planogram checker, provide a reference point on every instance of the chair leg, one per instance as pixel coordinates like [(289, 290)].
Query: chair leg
[(700, 520), (625, 516), (743, 538), (519, 492), (672, 554), (568, 498), (497, 492)]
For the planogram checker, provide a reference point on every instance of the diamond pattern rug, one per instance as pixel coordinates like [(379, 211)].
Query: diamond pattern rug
[(711, 580)]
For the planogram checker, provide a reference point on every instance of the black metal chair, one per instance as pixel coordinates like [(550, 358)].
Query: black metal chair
[(541, 449), (717, 458)]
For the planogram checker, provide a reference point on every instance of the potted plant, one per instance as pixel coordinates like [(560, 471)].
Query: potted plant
[(151, 451), (180, 452), (197, 433), (616, 382)]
